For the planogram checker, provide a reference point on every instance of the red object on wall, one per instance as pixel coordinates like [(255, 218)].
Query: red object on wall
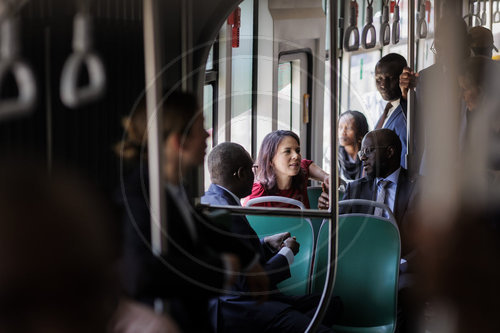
[(393, 4), (428, 10), (234, 20)]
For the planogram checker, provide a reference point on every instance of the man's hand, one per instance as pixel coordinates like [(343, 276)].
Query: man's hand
[(292, 244), (258, 282), (275, 241), (407, 80), (233, 268), (323, 201)]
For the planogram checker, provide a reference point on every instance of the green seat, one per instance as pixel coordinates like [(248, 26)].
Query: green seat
[(367, 272), (313, 193), (301, 228)]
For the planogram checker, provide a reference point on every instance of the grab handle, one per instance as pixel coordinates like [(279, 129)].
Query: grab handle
[(22, 73), (496, 14), (385, 28), (422, 24), (475, 16), (396, 26), (483, 13), (369, 27), (72, 95), (352, 29)]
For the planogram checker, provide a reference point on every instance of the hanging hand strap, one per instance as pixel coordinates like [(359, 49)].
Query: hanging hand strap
[(22, 73), (483, 13), (422, 24), (369, 27), (396, 26), (496, 15), (385, 28), (352, 29), (72, 95)]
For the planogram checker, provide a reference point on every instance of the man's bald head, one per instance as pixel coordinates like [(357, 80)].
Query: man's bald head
[(226, 162), (381, 152)]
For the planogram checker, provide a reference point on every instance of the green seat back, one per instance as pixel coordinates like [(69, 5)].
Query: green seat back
[(367, 272), (313, 193), (298, 283)]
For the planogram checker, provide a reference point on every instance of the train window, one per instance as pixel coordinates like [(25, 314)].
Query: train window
[(210, 60), (289, 96), (363, 94), (241, 90), (208, 113)]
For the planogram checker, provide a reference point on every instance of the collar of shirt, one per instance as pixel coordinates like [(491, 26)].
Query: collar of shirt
[(182, 202), (238, 200), (393, 177), (394, 106)]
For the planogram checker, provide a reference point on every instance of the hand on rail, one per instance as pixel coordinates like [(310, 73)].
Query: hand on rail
[(407, 80), (292, 244), (324, 201), (258, 282), (275, 241), (233, 268)]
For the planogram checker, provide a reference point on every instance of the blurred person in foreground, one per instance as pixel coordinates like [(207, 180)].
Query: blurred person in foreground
[(202, 259), (58, 247)]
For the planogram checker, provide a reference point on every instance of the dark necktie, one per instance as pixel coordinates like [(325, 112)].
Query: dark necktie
[(381, 196), (381, 120)]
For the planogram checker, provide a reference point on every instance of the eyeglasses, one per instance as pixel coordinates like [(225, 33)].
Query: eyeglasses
[(433, 48), (369, 150)]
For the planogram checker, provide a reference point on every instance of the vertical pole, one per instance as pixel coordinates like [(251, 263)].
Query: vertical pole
[(491, 14), (152, 61), (410, 115), (330, 274), (187, 44)]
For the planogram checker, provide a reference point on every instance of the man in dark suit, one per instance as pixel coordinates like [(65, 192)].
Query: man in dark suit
[(230, 168), (387, 182), (380, 151), (202, 260), (387, 72)]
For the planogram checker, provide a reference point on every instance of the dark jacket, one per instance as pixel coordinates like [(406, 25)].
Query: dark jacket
[(404, 204), (191, 272)]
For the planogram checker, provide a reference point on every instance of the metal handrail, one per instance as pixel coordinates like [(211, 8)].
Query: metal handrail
[(385, 28), (369, 27), (477, 17), (10, 62), (267, 210), (352, 29), (72, 95), (396, 26)]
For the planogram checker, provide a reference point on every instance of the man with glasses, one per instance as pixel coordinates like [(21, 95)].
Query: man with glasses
[(387, 182)]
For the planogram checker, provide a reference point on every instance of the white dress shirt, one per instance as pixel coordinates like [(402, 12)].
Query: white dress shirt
[(394, 106)]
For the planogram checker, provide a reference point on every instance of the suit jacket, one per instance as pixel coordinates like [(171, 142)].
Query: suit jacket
[(242, 313), (397, 123), (406, 192), (191, 272), (275, 265)]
